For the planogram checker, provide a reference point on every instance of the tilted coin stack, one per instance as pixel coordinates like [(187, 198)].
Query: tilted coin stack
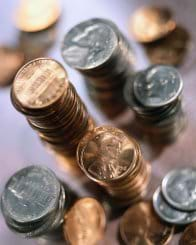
[(34, 203), (99, 51), (41, 91), (113, 160), (154, 95)]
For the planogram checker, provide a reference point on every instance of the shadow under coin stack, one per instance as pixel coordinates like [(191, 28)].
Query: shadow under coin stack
[(155, 96), (34, 203), (100, 52), (113, 160), (42, 92)]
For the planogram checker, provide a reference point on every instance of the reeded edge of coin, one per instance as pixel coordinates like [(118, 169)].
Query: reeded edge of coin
[(21, 70), (165, 192)]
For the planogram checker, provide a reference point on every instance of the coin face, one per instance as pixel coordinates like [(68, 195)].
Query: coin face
[(40, 83), (170, 214), (10, 61), (34, 16), (160, 86), (30, 195), (85, 222), (189, 235), (89, 44), (140, 225), (108, 154), (151, 23), (179, 188)]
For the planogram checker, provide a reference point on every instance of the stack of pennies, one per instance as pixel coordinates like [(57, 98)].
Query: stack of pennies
[(85, 222), (113, 160), (140, 225), (34, 203), (154, 95), (36, 21), (99, 51), (42, 92), (165, 41), (175, 201)]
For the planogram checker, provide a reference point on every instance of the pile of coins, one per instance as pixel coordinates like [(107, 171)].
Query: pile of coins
[(113, 160), (175, 201), (85, 222), (99, 51), (165, 42), (140, 225), (154, 95), (41, 91), (34, 202)]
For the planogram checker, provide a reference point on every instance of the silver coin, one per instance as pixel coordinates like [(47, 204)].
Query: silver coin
[(169, 214), (179, 188), (30, 195), (89, 44), (160, 86)]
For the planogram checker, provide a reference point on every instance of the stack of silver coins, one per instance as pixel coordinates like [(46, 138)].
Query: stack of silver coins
[(99, 51), (33, 203), (154, 95), (175, 200)]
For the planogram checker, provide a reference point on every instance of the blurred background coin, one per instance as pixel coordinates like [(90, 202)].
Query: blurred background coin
[(189, 235)]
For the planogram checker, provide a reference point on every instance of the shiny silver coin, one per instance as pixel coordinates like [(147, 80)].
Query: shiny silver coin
[(169, 214), (89, 44), (179, 188), (160, 86), (30, 196)]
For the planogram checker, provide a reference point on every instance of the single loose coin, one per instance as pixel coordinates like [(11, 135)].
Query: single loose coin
[(179, 188), (30, 195), (160, 86), (40, 83), (170, 214), (33, 16), (108, 154), (189, 235), (140, 225), (89, 44), (11, 60), (85, 222), (151, 23)]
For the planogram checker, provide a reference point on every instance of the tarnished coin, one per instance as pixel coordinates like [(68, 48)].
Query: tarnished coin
[(160, 86), (170, 214), (151, 23), (30, 195), (89, 44), (40, 83), (140, 225), (34, 16), (10, 61), (189, 235), (108, 154), (85, 222), (179, 188)]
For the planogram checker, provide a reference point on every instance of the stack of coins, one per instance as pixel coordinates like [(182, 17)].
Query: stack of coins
[(140, 225), (113, 160), (155, 96), (34, 202), (99, 51), (85, 222), (165, 42), (175, 201), (42, 92)]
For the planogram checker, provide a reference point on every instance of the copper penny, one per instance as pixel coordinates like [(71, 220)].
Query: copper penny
[(36, 15), (40, 83), (140, 225), (189, 235), (85, 222), (10, 61), (151, 23)]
